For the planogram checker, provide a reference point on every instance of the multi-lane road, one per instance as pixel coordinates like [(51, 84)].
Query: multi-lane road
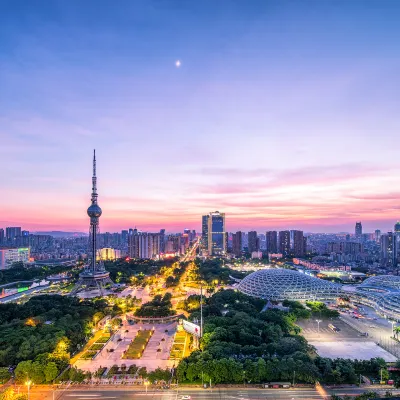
[(125, 393)]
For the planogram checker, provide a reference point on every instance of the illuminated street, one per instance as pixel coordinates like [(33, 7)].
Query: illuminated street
[(202, 394)]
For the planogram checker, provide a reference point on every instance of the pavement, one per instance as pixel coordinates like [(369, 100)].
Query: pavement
[(347, 342), (125, 393), (151, 359)]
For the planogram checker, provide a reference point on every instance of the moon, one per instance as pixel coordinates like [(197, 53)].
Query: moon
[(177, 63)]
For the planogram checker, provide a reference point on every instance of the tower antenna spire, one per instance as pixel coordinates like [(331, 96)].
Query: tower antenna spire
[(94, 274), (94, 180)]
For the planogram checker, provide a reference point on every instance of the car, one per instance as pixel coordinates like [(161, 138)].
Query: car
[(185, 397)]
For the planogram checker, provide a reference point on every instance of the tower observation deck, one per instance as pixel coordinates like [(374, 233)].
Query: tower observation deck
[(94, 275)]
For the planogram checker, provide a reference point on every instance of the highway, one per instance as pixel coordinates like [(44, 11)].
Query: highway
[(125, 393)]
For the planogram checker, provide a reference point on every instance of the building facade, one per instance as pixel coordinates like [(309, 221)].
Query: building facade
[(284, 243), (237, 243), (271, 242), (254, 242), (214, 236), (8, 256), (358, 230)]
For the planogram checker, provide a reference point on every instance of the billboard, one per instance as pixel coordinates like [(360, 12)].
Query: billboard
[(191, 328)]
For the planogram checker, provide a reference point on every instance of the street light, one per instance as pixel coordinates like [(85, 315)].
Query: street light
[(392, 322), (146, 383), (28, 383), (318, 322)]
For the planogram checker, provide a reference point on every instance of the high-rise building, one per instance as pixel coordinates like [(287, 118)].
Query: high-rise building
[(124, 237), (12, 233), (284, 242), (358, 229), (298, 243), (204, 231), (162, 240), (254, 242), (143, 244), (237, 243), (213, 233), (271, 242), (304, 245), (133, 243), (388, 250), (377, 235), (2, 237)]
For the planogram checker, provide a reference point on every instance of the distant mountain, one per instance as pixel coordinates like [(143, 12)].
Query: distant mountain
[(60, 234)]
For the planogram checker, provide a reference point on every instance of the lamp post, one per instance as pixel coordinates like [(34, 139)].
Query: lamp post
[(28, 383), (146, 383), (318, 321), (392, 322)]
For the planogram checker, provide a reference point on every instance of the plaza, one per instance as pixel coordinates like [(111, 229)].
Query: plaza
[(155, 354)]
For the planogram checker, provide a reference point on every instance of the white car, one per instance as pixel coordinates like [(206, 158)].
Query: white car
[(186, 397)]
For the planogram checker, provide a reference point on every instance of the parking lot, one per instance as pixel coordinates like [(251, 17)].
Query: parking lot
[(346, 332), (347, 342)]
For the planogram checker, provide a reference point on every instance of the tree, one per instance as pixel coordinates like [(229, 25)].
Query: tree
[(4, 375), (23, 371), (50, 371), (9, 394), (37, 372), (76, 375)]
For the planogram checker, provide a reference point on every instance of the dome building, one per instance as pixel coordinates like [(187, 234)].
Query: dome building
[(381, 292), (279, 284)]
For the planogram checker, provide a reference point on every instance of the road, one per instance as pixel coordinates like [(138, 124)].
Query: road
[(191, 254), (200, 394)]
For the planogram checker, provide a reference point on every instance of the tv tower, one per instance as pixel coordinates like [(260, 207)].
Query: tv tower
[(94, 274)]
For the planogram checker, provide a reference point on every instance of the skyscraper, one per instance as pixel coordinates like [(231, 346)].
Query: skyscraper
[(358, 230), (388, 250), (213, 233), (377, 235), (124, 237), (94, 274), (271, 242), (133, 243), (162, 240), (237, 244), (284, 242), (1, 236), (204, 231), (298, 243), (254, 242), (12, 233)]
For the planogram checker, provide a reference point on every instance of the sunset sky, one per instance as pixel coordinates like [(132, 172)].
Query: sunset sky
[(282, 114)]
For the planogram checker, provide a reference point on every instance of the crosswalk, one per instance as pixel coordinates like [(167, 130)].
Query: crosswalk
[(321, 330)]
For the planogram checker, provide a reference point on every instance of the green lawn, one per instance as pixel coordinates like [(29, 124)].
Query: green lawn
[(88, 355), (104, 338), (137, 346), (96, 346)]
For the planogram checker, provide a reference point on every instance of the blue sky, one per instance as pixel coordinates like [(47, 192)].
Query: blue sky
[(282, 114)]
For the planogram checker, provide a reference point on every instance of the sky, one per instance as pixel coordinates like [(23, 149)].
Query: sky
[(283, 114)]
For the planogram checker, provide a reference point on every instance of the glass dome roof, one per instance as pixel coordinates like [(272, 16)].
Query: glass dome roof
[(382, 282), (281, 284)]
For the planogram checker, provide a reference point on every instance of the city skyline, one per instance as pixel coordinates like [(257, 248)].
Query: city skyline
[(282, 117)]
